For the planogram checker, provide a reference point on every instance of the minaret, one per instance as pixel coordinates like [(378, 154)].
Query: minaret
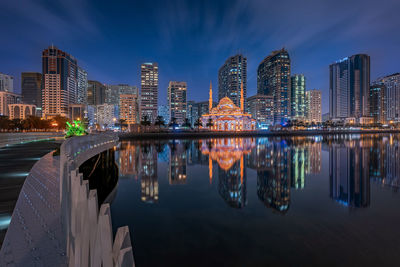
[(241, 98), (210, 99)]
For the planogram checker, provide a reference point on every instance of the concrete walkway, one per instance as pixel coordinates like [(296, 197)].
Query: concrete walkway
[(35, 228)]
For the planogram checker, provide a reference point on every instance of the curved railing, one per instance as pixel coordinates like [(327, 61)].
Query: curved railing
[(88, 229)]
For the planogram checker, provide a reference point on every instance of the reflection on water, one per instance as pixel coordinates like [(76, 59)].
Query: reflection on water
[(281, 164)]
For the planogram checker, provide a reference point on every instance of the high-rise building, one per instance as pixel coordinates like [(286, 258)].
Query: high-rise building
[(261, 109), (149, 90), (298, 97), (392, 95), (82, 86), (273, 79), (163, 111), (96, 93), (191, 112), (231, 76), (59, 82), (349, 83), (113, 92), (106, 115), (6, 83), (129, 108), (177, 101), (31, 88), (314, 106), (7, 98), (377, 102)]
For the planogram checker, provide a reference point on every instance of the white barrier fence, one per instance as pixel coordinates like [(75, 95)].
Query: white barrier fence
[(88, 228)]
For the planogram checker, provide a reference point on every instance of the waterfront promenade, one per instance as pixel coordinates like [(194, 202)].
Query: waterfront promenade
[(57, 220), (12, 138)]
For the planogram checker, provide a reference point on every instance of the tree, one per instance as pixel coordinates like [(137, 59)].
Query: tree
[(187, 124), (145, 122), (159, 121), (60, 122), (210, 123), (122, 124), (197, 123), (173, 123)]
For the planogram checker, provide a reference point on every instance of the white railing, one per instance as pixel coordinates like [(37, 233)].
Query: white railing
[(88, 229)]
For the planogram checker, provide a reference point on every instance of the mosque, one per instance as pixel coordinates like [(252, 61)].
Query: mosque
[(226, 116)]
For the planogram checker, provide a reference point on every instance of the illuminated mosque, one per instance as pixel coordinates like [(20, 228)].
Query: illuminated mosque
[(226, 116)]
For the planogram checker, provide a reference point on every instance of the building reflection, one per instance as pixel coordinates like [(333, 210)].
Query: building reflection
[(349, 172), (128, 159), (148, 172), (177, 162), (273, 179), (229, 154)]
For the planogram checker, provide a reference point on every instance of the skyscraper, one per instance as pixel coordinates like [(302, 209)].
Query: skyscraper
[(261, 109), (392, 95), (230, 77), (177, 101), (298, 97), (163, 111), (113, 92), (377, 102), (96, 93), (314, 107), (273, 78), (149, 90), (31, 88), (6, 83), (82, 86), (59, 82), (349, 82), (129, 108)]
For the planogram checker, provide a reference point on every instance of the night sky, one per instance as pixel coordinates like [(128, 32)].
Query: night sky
[(191, 39)]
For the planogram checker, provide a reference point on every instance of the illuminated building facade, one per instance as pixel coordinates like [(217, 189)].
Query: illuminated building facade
[(392, 96), (60, 82), (82, 86), (377, 102), (298, 97), (349, 85), (226, 116), (7, 98), (129, 108), (261, 108), (106, 115), (231, 76), (21, 111), (164, 113), (273, 79), (176, 97), (314, 106), (149, 91)]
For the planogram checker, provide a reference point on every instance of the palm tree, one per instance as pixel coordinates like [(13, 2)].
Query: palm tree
[(210, 123), (187, 124), (173, 123), (159, 122), (197, 123), (60, 121), (145, 122)]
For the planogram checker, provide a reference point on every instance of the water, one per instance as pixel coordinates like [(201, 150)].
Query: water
[(261, 202)]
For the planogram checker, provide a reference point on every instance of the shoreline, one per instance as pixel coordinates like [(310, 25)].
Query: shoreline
[(206, 134)]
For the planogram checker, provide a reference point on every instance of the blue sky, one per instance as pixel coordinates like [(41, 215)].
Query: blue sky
[(191, 39)]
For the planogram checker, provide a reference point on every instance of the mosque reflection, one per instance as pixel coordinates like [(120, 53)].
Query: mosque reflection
[(281, 165)]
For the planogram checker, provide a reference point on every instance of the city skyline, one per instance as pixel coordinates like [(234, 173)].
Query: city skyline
[(311, 47)]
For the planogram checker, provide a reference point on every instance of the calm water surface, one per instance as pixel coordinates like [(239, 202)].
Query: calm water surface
[(295, 201)]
